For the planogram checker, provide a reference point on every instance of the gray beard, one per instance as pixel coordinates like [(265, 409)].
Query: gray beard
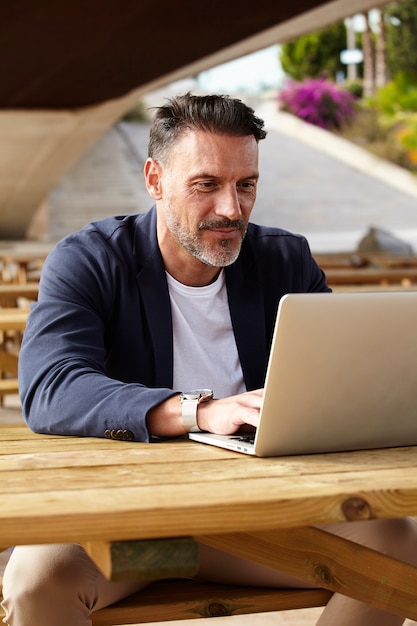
[(223, 255)]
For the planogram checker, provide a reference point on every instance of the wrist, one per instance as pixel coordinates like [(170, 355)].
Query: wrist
[(203, 410), (164, 420)]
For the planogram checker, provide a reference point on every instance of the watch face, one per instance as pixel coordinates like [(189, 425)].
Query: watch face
[(197, 394)]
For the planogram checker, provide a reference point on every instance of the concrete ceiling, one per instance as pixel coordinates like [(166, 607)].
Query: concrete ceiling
[(70, 68)]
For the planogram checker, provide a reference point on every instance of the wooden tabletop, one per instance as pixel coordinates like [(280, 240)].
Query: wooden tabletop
[(98, 492), (69, 488)]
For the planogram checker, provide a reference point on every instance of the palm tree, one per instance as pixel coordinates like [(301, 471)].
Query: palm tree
[(368, 60), (380, 53)]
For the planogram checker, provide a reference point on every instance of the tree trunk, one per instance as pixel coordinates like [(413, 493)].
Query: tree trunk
[(368, 60), (380, 56), (352, 68)]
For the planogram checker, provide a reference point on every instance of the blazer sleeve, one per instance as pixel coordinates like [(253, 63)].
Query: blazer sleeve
[(64, 386)]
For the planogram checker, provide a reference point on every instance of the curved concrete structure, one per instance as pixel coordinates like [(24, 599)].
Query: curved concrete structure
[(70, 70)]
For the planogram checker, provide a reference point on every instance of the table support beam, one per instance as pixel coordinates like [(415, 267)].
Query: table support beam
[(146, 560), (326, 560)]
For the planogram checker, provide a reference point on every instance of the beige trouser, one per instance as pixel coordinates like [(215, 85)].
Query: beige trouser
[(58, 585)]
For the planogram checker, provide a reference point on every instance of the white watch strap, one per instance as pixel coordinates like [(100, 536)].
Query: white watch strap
[(189, 415)]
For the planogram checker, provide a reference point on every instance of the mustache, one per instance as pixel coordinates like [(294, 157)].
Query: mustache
[(224, 223)]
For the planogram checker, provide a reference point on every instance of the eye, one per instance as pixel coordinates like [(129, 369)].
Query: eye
[(248, 185), (205, 185)]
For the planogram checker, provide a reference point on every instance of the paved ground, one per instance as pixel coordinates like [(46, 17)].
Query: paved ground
[(317, 184), (311, 182)]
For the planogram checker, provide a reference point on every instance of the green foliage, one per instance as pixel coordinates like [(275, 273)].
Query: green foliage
[(380, 136), (315, 55), (399, 95), (386, 124), (401, 36), (318, 54), (407, 134), (355, 87), (397, 102)]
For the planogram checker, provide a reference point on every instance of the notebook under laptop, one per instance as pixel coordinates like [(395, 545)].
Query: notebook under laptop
[(342, 375)]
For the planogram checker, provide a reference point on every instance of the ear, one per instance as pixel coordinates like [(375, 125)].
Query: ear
[(153, 178)]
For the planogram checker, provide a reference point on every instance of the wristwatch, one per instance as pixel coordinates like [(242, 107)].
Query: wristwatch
[(190, 400)]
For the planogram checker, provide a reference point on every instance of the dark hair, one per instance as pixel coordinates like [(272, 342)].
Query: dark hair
[(213, 113)]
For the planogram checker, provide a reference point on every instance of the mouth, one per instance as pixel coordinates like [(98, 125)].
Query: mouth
[(226, 233), (224, 227)]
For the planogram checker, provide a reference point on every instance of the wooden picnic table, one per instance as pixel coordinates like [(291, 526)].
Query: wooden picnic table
[(366, 269), (12, 325), (364, 259), (109, 495), (371, 276), (19, 267), (13, 318), (11, 293)]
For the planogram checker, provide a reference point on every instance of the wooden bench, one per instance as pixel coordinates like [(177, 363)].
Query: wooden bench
[(8, 372), (12, 325), (188, 599), (20, 267), (369, 271), (372, 276), (181, 600), (361, 259), (13, 319), (8, 386), (12, 294)]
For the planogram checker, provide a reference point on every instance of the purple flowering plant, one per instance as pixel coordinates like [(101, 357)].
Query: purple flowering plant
[(319, 102)]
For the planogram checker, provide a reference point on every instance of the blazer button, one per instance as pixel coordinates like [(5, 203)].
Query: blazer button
[(119, 434)]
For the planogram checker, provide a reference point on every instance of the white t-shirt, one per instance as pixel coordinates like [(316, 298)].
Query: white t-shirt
[(205, 352)]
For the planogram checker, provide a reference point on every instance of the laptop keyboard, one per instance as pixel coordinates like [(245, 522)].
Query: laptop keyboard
[(249, 438)]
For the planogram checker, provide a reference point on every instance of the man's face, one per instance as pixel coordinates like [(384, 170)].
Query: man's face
[(206, 192)]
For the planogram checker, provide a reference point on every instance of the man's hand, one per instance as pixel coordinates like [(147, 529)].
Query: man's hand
[(226, 416), (223, 417)]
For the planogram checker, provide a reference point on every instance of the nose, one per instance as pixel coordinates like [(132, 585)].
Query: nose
[(228, 204)]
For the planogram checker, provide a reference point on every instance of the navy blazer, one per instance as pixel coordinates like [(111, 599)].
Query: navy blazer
[(97, 352)]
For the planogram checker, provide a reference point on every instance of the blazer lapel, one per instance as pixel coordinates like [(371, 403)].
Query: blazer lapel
[(248, 319), (154, 295)]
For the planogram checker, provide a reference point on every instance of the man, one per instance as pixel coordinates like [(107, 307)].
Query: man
[(134, 310)]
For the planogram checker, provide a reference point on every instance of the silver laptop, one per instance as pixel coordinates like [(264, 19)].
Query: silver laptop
[(342, 375)]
